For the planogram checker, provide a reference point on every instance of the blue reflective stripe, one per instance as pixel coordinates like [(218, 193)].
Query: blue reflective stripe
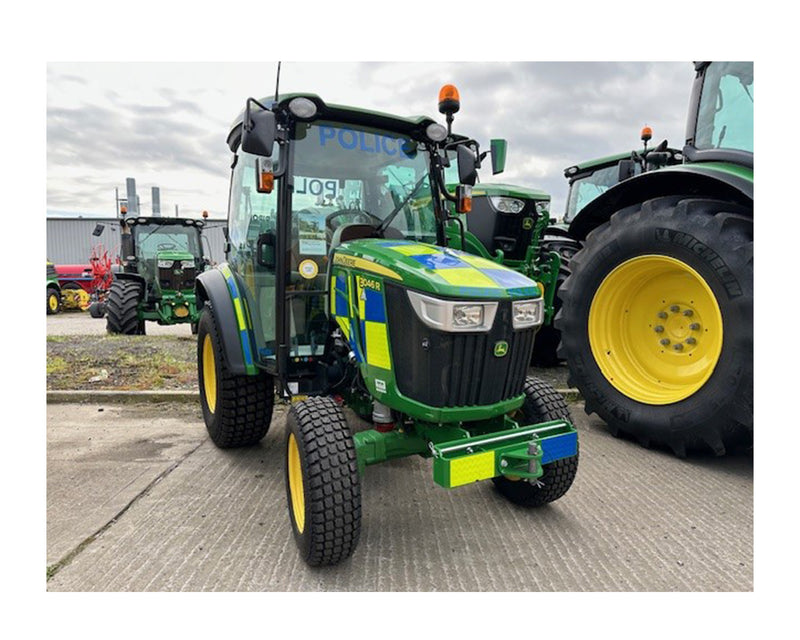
[(440, 261), (557, 447), (373, 306)]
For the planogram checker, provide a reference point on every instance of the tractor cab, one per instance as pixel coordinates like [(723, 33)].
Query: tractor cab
[(165, 252)]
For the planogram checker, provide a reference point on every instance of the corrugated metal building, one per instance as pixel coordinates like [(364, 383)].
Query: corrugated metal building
[(70, 240)]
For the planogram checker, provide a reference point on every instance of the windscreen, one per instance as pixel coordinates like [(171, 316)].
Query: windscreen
[(725, 116), (149, 239), (585, 189)]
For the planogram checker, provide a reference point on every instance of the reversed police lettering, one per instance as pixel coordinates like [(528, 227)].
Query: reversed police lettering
[(705, 252)]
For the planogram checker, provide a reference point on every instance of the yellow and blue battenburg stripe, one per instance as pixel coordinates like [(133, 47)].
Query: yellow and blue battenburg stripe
[(242, 318), (468, 273), (372, 315)]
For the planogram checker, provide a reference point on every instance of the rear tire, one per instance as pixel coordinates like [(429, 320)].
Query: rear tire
[(122, 308), (323, 488), (237, 409), (657, 323), (542, 404)]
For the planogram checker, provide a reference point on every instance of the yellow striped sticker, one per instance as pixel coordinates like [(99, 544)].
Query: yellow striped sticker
[(377, 345), (237, 305), (481, 263), (466, 277), (415, 249), (479, 466)]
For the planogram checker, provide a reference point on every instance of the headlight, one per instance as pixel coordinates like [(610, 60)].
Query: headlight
[(453, 315), (187, 264), (164, 264), (467, 315), (527, 313), (543, 207), (507, 205)]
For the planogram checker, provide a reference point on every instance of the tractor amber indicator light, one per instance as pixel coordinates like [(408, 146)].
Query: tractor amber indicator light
[(266, 182), (464, 196)]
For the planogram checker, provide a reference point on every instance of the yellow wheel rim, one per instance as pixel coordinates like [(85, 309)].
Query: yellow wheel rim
[(296, 484), (52, 300), (209, 374), (655, 329)]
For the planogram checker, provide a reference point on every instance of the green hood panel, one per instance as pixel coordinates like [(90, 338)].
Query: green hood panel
[(510, 190), (443, 272), (174, 255)]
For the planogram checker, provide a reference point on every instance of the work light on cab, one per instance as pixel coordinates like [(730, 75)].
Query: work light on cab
[(303, 108), (436, 132)]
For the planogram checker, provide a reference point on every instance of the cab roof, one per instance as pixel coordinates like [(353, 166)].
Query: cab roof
[(412, 126)]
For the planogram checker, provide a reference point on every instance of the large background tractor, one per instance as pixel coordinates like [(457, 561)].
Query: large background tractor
[(657, 315), (339, 291), (161, 260)]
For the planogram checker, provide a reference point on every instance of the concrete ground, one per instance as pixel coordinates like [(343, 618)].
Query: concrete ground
[(139, 499), (81, 323)]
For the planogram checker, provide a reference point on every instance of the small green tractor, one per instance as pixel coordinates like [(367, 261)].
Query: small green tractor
[(657, 312), (339, 291), (162, 259), (53, 290)]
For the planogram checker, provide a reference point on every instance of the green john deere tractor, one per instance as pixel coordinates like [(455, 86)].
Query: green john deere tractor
[(339, 291), (657, 315), (162, 258), (53, 290)]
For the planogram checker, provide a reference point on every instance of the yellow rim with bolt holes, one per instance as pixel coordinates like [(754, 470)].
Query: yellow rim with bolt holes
[(209, 374), (296, 483), (655, 329)]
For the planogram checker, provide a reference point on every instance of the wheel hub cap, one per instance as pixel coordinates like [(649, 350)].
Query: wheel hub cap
[(655, 329)]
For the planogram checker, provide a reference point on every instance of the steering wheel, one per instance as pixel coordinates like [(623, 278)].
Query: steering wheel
[(365, 216), (166, 246)]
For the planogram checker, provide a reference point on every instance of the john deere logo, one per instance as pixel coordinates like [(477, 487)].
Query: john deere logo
[(500, 349), (527, 223)]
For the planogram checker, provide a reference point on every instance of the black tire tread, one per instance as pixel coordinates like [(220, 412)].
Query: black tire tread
[(542, 404), (330, 480), (244, 402), (122, 304)]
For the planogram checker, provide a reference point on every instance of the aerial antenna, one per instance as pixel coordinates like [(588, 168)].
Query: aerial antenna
[(277, 80)]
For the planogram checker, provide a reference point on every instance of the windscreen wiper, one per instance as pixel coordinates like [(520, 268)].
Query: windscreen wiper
[(388, 220)]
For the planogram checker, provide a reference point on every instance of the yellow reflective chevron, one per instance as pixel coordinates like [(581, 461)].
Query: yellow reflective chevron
[(366, 265), (466, 277)]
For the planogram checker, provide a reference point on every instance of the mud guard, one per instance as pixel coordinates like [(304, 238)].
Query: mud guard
[(213, 286)]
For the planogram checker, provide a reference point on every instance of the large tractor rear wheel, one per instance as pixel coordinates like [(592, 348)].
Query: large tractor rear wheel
[(657, 323), (542, 404), (122, 315), (323, 489), (237, 409)]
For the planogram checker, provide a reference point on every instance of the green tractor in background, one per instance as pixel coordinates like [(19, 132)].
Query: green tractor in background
[(53, 290), (657, 315), (339, 291), (162, 259)]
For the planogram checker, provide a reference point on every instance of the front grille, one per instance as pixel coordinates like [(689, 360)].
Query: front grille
[(443, 369), (176, 278)]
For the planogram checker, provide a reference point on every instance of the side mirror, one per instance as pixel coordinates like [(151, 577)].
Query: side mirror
[(258, 131), (265, 250), (627, 168), (467, 165), (498, 147)]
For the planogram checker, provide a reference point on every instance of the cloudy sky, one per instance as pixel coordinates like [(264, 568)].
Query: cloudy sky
[(165, 124)]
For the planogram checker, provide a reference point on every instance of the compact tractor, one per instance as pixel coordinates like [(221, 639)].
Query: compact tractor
[(657, 315), (53, 290), (162, 257), (339, 290)]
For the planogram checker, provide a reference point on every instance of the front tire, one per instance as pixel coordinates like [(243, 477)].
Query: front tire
[(237, 409), (657, 323), (542, 404), (53, 301), (323, 488), (122, 308)]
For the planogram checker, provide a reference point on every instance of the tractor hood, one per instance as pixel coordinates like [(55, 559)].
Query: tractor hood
[(443, 272), (175, 255), (508, 190)]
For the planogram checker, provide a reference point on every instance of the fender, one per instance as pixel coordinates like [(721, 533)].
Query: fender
[(232, 316), (122, 275), (716, 180)]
